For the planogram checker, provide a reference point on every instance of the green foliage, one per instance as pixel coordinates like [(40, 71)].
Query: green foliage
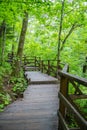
[(10, 87), (70, 119), (82, 105), (74, 52), (4, 70), (5, 99), (19, 85)]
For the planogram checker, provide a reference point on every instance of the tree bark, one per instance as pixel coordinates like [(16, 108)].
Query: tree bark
[(2, 41), (73, 27), (69, 33), (17, 65), (22, 36), (60, 30)]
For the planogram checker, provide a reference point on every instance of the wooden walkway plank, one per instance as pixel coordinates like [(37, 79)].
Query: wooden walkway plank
[(36, 111), (36, 77)]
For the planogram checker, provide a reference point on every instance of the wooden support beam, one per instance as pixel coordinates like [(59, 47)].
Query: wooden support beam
[(77, 96)]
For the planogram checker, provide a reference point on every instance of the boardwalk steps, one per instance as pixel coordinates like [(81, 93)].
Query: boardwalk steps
[(36, 77), (37, 110), (31, 68)]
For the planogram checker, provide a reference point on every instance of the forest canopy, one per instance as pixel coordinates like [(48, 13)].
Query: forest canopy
[(42, 36)]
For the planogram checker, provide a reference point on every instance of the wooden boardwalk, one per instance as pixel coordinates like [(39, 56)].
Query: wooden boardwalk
[(37, 110)]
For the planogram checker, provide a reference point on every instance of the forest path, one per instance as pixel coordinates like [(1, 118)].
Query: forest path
[(38, 109)]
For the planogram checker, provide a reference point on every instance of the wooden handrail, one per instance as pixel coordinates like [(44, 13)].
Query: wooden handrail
[(80, 119), (66, 68), (78, 79), (66, 102), (45, 66), (64, 125)]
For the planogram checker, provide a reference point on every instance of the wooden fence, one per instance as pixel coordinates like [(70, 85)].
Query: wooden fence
[(68, 108), (45, 66)]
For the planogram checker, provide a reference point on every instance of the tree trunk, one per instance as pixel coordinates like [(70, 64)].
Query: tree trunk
[(2, 41), (59, 36), (17, 65), (22, 36)]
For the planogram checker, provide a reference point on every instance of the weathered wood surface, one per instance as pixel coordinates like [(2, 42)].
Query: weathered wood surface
[(36, 77), (36, 111)]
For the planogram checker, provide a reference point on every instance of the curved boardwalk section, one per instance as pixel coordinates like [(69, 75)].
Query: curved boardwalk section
[(37, 110)]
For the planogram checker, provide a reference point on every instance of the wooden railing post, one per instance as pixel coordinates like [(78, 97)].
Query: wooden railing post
[(64, 91), (24, 60), (35, 62), (42, 66), (48, 71), (39, 62)]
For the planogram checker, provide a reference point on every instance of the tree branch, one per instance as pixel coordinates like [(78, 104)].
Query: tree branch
[(60, 30), (69, 33)]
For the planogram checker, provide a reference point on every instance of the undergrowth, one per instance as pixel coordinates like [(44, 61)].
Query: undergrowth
[(11, 87)]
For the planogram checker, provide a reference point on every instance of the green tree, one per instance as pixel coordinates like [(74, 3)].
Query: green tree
[(2, 41), (72, 17), (17, 66)]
